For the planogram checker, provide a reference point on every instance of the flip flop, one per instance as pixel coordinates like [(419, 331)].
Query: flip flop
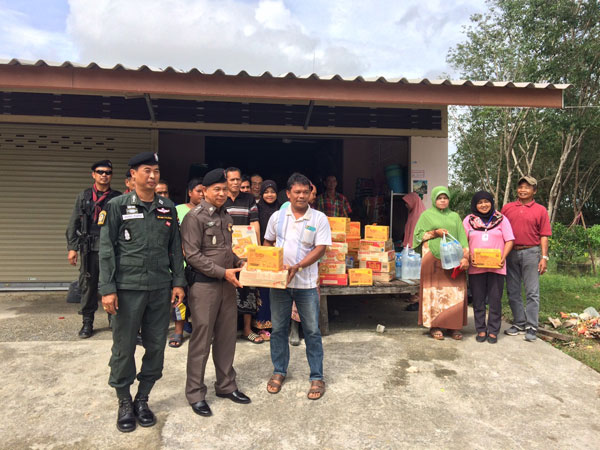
[(275, 383), (316, 387), (253, 337), (176, 340), (265, 335), (437, 334)]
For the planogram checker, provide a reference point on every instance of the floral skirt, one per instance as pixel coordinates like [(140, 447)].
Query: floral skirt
[(247, 300), (443, 302), (262, 319)]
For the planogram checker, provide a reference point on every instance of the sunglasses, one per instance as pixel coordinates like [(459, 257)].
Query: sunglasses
[(103, 172)]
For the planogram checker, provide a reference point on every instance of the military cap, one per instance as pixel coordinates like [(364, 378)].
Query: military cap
[(214, 176), (103, 163), (148, 158), (529, 180)]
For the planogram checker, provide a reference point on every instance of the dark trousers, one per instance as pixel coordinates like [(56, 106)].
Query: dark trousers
[(214, 315), (89, 290), (150, 312), (488, 285)]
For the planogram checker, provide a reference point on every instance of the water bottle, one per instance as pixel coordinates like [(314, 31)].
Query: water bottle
[(418, 267), (398, 265), (408, 264), (446, 255)]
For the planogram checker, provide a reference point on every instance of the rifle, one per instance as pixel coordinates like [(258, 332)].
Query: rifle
[(85, 243)]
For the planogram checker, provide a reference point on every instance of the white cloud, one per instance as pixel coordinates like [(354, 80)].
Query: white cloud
[(21, 40), (392, 38)]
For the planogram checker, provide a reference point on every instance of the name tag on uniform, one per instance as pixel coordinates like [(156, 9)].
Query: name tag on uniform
[(133, 216)]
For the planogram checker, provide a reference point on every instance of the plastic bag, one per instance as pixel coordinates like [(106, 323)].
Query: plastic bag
[(451, 252)]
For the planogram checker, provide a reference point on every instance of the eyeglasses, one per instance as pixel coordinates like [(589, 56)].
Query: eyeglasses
[(103, 172)]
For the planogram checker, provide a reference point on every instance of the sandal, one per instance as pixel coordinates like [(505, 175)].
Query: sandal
[(437, 334), (456, 335), (176, 340), (255, 338), (316, 387), (265, 335), (274, 384)]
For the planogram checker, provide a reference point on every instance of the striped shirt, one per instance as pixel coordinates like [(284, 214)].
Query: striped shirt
[(243, 209)]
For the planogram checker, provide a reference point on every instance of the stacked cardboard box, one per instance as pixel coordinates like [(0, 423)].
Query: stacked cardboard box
[(353, 241), (376, 252), (360, 277), (264, 268), (332, 267), (243, 236)]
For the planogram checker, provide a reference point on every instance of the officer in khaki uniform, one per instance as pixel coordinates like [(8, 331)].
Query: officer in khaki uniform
[(141, 276), (211, 269)]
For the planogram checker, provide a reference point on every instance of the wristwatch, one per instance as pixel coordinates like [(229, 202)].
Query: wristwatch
[(547, 258), (299, 269)]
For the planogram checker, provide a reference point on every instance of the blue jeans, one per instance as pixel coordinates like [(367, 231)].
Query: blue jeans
[(522, 269), (307, 302)]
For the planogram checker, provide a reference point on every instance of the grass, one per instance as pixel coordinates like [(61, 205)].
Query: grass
[(568, 294)]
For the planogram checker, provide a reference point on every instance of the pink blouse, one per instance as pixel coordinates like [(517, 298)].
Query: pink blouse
[(497, 237)]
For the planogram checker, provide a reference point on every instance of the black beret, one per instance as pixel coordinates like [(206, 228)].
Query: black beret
[(213, 177), (148, 158), (103, 163)]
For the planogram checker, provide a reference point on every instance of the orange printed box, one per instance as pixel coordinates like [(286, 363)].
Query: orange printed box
[(377, 256), (264, 278), (333, 280), (367, 245), (360, 277), (334, 256), (354, 230), (487, 258), (339, 224), (333, 268), (378, 266), (353, 244), (242, 236), (377, 232), (265, 258), (384, 277), (338, 236)]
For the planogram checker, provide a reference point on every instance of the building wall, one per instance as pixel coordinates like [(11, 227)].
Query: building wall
[(178, 151), (429, 162)]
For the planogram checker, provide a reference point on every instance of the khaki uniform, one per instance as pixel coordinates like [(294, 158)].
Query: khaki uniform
[(141, 260), (206, 237)]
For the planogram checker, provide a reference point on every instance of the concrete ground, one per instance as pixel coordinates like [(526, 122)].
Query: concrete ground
[(399, 389)]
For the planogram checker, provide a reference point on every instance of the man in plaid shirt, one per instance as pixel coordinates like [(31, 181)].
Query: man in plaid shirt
[(332, 203)]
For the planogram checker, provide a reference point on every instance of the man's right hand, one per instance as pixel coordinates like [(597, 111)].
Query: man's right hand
[(230, 277), (110, 303), (72, 257)]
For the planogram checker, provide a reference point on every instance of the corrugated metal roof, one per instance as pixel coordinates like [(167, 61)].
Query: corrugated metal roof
[(291, 75)]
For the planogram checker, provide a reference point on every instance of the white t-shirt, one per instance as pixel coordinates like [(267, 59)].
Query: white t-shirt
[(299, 237)]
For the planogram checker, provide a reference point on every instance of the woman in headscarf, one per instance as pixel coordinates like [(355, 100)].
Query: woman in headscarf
[(486, 228), (443, 303), (267, 205), (415, 207)]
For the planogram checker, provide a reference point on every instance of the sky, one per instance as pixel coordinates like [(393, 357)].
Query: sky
[(391, 38)]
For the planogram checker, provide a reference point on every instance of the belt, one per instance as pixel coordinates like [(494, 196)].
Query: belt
[(524, 247), (196, 277)]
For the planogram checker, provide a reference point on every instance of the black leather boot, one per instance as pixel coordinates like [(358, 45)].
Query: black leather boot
[(87, 329), (142, 412), (126, 417)]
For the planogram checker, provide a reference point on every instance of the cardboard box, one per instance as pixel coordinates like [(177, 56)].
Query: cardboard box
[(377, 256), (354, 231), (333, 268), (384, 277), (333, 280), (367, 245), (353, 244), (378, 266), (360, 277), (377, 232), (242, 236), (333, 257), (488, 258), (338, 236), (265, 258), (264, 278), (339, 224), (339, 246)]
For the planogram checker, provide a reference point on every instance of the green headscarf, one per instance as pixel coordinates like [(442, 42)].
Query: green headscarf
[(434, 218)]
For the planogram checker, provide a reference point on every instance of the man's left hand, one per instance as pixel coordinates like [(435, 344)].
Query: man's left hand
[(177, 296), (292, 270), (542, 266)]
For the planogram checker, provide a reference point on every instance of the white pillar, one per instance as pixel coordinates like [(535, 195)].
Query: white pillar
[(429, 164)]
